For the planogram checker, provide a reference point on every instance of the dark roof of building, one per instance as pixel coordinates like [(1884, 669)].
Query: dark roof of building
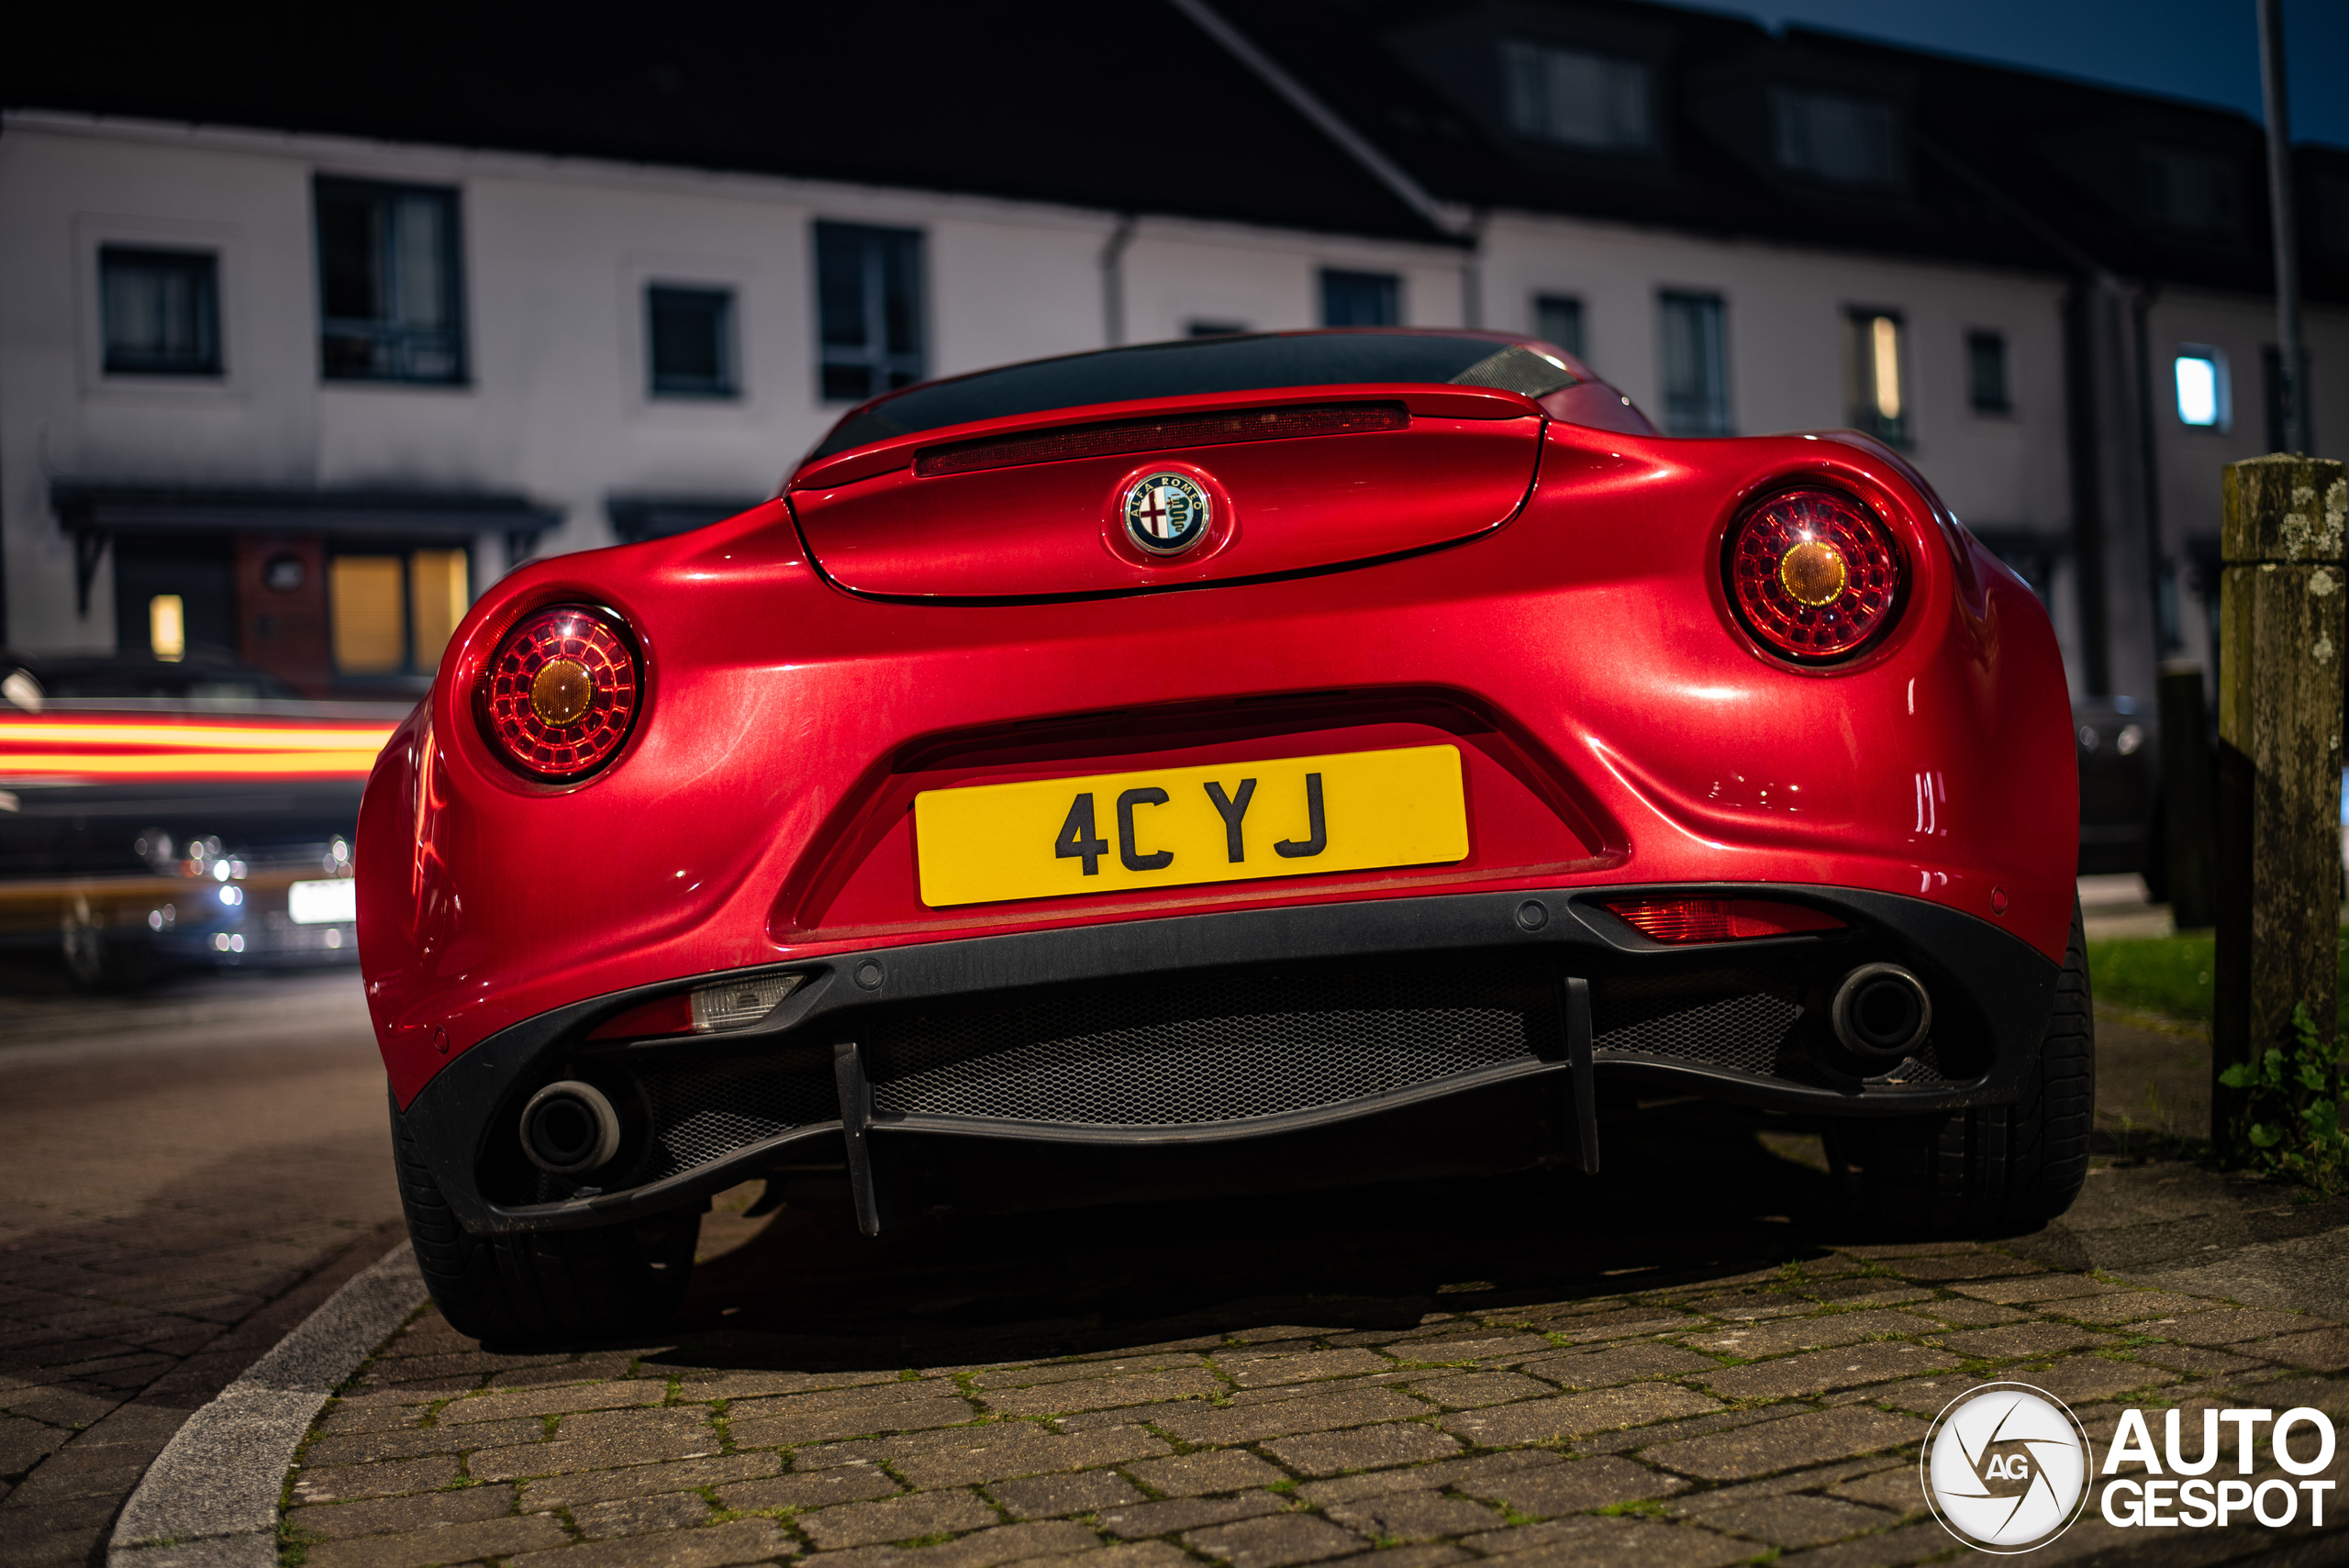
[(1056, 100), (1134, 108), (1990, 164)]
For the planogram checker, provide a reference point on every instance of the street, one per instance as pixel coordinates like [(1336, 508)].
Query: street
[(182, 1172), (188, 1171)]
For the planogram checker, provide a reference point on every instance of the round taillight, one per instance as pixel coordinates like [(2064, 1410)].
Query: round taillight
[(560, 692), (1813, 574)]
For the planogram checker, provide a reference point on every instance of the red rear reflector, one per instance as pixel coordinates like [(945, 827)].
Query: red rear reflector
[(1153, 435), (1718, 919)]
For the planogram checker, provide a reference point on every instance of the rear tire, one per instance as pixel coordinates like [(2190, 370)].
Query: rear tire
[(2000, 1168), (549, 1286)]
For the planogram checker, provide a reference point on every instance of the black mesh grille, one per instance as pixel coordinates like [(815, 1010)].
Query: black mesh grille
[(1217, 1046), (1728, 1020), (706, 1110)]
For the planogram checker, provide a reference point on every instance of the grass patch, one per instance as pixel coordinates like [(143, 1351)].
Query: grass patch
[(2161, 975), (2173, 974)]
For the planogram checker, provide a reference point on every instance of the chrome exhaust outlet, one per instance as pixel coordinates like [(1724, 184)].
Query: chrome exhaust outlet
[(1882, 1011), (569, 1128)]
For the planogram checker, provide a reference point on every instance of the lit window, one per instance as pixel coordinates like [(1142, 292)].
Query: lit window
[(388, 283), (1558, 319), (162, 311), (868, 304), (1696, 365), (393, 614), (1879, 359), (2204, 399), (1361, 299), (1833, 137), (692, 335), (167, 628), (1985, 373), (1577, 98)]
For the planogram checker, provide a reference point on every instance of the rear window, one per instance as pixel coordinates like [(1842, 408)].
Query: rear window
[(1196, 367)]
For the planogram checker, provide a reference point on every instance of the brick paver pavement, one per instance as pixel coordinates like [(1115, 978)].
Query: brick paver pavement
[(1670, 1365), (184, 1174)]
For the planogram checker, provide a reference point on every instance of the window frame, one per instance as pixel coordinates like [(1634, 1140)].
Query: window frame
[(725, 386), (1721, 418), (384, 330), (1781, 100), (882, 364), (1863, 363), (1547, 301), (1327, 278), (2004, 407), (1529, 119), (208, 364)]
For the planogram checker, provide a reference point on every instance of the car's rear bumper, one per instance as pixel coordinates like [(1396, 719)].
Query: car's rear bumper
[(1257, 1031)]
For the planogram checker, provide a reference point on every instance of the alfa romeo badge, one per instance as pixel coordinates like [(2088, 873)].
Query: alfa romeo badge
[(1166, 514)]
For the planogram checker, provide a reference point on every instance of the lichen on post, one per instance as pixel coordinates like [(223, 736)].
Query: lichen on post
[(2282, 591)]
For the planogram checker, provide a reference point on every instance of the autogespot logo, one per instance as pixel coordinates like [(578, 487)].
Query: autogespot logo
[(2006, 1467)]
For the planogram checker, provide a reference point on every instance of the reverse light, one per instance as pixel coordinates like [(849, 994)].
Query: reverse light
[(705, 1009), (1683, 921), (1813, 574), (560, 693)]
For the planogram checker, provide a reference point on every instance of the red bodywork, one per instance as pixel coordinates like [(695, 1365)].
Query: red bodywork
[(1555, 607)]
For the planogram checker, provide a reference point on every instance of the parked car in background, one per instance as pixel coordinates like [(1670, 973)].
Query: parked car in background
[(194, 811), (2120, 787)]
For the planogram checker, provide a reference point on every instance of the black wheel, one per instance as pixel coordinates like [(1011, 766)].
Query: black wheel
[(2000, 1169), (553, 1286)]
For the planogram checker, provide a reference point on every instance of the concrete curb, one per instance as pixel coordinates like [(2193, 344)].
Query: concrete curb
[(210, 1499)]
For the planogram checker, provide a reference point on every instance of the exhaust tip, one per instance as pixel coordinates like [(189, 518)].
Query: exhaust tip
[(1882, 1011), (569, 1128)]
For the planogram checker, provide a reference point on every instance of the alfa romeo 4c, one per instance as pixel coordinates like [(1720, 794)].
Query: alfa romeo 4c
[(1200, 767)]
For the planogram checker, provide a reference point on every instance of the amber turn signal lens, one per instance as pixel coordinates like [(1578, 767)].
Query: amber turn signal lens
[(560, 693), (1813, 574)]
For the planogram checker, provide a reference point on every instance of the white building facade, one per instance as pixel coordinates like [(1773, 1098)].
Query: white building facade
[(315, 391)]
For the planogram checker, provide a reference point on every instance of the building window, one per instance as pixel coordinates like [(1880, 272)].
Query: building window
[(1361, 299), (2193, 193), (868, 300), (1878, 355), (2204, 399), (162, 311), (390, 288), (690, 332), (1577, 99), (1833, 137), (1985, 373), (1696, 365), (1557, 318), (391, 614)]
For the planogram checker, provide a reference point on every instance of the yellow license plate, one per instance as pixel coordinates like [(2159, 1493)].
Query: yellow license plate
[(1173, 827)]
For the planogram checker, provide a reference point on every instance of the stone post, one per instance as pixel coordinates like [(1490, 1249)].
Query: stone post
[(2280, 633)]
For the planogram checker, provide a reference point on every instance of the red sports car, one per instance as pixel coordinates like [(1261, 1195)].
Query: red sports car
[(1286, 759)]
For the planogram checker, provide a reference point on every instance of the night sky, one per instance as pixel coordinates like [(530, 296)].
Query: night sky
[(2206, 50)]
